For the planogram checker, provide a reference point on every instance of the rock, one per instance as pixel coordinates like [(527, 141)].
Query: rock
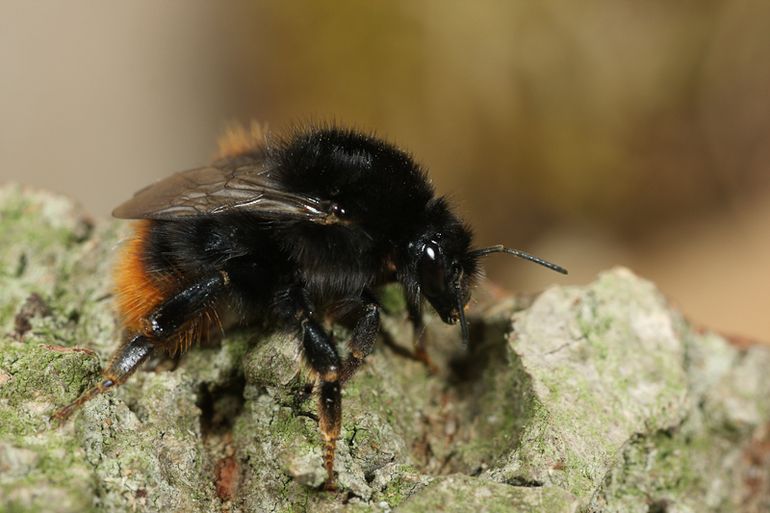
[(596, 398)]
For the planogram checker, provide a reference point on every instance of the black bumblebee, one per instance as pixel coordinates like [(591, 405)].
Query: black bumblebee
[(290, 231)]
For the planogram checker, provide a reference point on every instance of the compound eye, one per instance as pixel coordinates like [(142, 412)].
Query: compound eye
[(432, 270), (336, 214)]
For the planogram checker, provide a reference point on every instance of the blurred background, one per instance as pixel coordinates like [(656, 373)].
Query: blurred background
[(594, 134)]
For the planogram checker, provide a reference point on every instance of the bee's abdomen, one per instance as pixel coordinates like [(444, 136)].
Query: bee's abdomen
[(146, 284), (138, 289)]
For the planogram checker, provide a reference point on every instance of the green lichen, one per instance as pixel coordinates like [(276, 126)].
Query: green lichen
[(407, 481), (707, 461), (392, 300)]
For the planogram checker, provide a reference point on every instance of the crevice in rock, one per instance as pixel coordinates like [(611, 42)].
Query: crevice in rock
[(658, 506), (34, 306), (220, 405), (471, 411), (300, 392), (486, 346), (524, 482), (480, 412)]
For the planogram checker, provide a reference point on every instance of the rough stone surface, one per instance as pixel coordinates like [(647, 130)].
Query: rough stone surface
[(592, 399)]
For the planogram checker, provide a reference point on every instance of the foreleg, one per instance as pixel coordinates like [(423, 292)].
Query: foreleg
[(418, 328)]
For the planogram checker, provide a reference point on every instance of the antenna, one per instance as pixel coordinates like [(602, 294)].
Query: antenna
[(521, 254)]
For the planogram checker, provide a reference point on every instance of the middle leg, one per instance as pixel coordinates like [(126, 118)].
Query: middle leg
[(363, 337), (322, 356)]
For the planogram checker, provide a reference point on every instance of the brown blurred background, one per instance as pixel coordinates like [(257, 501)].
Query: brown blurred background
[(591, 133)]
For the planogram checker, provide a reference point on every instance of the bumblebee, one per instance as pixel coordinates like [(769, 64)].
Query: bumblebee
[(290, 231)]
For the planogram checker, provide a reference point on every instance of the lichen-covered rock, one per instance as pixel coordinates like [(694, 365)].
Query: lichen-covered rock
[(597, 398), (605, 364)]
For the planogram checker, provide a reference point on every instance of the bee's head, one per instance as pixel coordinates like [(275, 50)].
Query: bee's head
[(442, 267)]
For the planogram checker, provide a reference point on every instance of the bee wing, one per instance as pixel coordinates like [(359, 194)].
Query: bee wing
[(223, 188)]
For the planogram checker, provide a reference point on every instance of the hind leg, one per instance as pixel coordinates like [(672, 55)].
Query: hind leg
[(124, 362), (159, 327)]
